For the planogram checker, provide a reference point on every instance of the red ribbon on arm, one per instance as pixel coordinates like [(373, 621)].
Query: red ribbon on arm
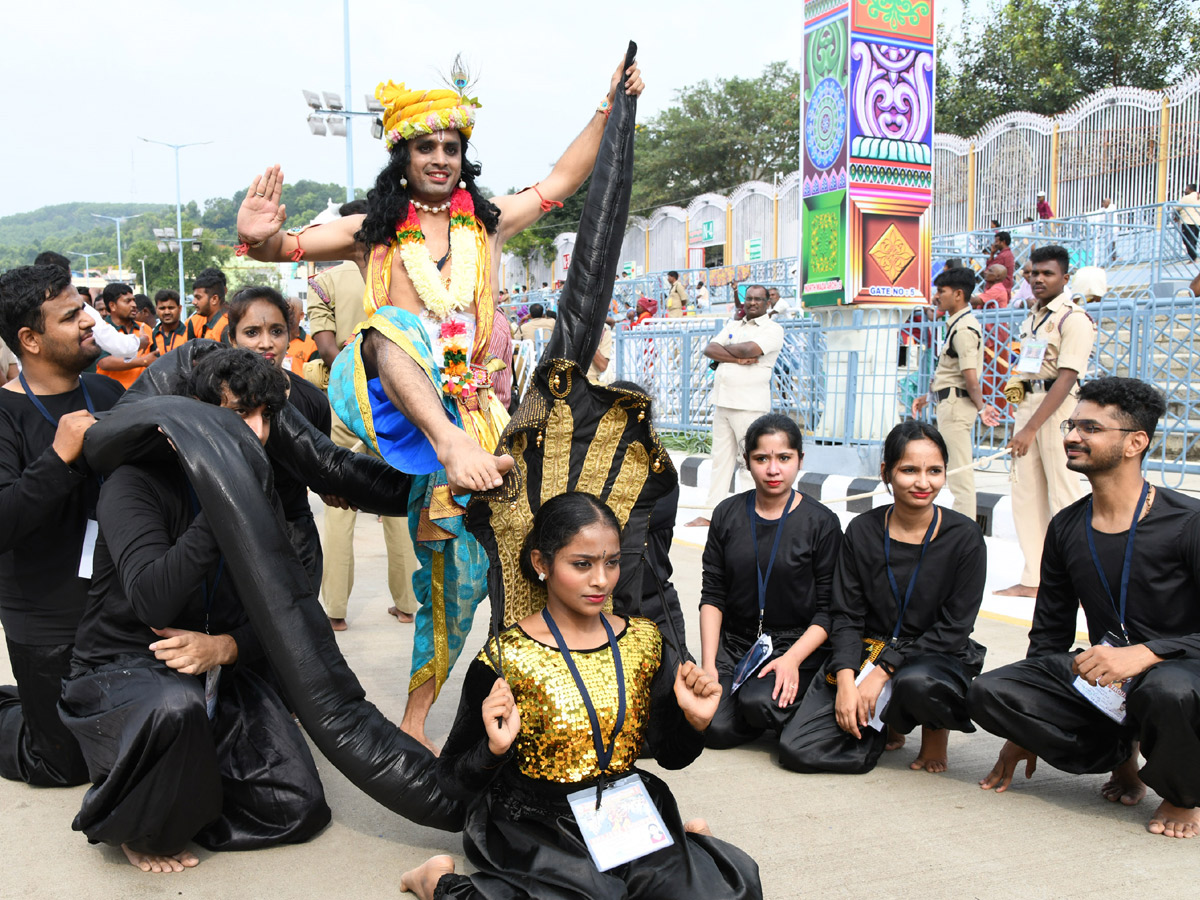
[(547, 205)]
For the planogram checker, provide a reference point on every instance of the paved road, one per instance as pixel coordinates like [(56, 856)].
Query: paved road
[(890, 834)]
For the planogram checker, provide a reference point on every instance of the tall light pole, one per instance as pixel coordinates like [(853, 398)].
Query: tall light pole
[(178, 202), (143, 261), (86, 257), (118, 220), (349, 131)]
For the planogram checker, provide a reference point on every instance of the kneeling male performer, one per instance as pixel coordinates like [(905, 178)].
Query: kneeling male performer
[(183, 739), (1130, 554)]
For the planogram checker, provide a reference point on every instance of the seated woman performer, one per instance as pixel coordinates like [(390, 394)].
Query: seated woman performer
[(792, 541), (581, 692), (907, 588), (257, 320)]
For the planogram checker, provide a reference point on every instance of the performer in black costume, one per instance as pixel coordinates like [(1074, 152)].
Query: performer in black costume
[(906, 591), (1130, 554), (184, 740), (583, 694), (47, 495), (792, 542)]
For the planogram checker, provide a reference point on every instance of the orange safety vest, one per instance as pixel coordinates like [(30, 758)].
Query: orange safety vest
[(165, 343), (301, 350), (126, 377), (212, 328)]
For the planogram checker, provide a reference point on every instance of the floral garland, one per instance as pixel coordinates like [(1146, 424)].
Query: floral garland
[(440, 299)]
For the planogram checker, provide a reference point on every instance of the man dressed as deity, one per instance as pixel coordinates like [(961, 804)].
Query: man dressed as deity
[(415, 382)]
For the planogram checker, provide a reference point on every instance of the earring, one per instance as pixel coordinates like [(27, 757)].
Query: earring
[(403, 182), (462, 184), (541, 576)]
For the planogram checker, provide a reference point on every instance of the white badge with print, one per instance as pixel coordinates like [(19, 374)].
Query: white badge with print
[(627, 825), (1033, 352), (881, 702), (89, 548)]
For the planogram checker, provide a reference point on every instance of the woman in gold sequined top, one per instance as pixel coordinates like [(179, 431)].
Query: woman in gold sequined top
[(524, 740)]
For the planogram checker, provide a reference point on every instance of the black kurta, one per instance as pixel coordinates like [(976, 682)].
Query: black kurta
[(163, 773), (934, 656), (798, 596), (1033, 703)]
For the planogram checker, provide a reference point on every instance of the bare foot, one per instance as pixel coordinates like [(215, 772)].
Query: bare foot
[(1125, 786), (698, 522), (420, 737), (1175, 821), (697, 826), (932, 755), (469, 467), (1017, 590), (895, 740), (338, 624), (152, 862), (423, 880), (400, 616)]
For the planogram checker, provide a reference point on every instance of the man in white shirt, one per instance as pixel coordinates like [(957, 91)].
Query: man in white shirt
[(778, 308), (745, 351), (701, 297)]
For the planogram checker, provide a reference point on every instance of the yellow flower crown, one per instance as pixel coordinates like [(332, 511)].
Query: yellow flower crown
[(409, 113)]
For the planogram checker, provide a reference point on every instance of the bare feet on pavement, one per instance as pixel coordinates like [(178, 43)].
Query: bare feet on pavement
[(895, 740), (423, 880), (1170, 820), (338, 624), (152, 862), (470, 468), (1017, 590), (1125, 786), (932, 756), (698, 522), (697, 826), (400, 616)]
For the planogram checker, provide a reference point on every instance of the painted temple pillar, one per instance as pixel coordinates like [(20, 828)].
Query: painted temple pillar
[(867, 111)]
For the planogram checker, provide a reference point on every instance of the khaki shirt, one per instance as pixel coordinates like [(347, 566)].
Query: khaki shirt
[(676, 300), (595, 376), (748, 387), (335, 302), (7, 358), (527, 331), (1069, 333), (964, 337)]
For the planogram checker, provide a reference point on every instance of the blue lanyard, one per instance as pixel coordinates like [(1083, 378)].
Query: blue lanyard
[(1048, 314), (210, 593), (902, 605), (1127, 563), (764, 578), (603, 755), (41, 407)]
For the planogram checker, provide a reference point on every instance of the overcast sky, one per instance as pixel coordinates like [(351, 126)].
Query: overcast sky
[(86, 79)]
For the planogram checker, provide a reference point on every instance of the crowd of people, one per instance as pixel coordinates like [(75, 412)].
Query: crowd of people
[(145, 458)]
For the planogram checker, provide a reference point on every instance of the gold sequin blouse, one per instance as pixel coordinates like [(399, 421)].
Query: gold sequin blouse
[(555, 741)]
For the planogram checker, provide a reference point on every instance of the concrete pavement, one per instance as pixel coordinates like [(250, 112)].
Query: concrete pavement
[(892, 833)]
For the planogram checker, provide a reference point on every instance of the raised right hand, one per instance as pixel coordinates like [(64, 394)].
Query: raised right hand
[(1006, 765), (261, 214), (68, 439), (501, 717), (846, 707)]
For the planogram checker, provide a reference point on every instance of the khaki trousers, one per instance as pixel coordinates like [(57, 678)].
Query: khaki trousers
[(338, 578), (728, 431), (955, 420), (1044, 483)]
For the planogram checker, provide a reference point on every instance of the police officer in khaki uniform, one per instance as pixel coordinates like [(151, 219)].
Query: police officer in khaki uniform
[(955, 386), (1057, 338), (676, 298), (335, 308)]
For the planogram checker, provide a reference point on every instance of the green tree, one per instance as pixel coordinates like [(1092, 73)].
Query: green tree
[(1044, 55), (717, 135)]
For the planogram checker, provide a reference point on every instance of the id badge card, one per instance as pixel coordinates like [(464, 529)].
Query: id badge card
[(1033, 352), (1109, 699), (212, 680), (758, 654), (627, 825), (89, 548)]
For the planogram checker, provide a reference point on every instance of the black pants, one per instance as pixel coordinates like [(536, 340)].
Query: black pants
[(930, 691), (164, 774), (743, 716), (1190, 233), (35, 746), (1033, 704)]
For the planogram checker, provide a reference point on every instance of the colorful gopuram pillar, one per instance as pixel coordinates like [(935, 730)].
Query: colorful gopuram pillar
[(867, 103)]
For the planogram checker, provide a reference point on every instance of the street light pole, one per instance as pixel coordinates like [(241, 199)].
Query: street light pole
[(143, 261), (86, 257), (349, 130), (118, 220), (178, 203)]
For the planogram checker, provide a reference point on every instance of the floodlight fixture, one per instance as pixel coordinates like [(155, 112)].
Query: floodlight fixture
[(332, 100), (316, 124), (373, 105), (169, 232), (196, 232), (312, 98), (377, 128), (162, 247), (337, 125), (196, 246), (159, 232)]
